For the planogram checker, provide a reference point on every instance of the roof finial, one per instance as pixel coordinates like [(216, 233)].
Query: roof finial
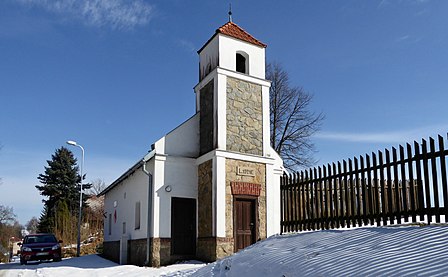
[(230, 12)]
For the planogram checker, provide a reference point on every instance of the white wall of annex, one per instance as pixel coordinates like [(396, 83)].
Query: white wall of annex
[(180, 174), (228, 47), (273, 173), (184, 140), (125, 195)]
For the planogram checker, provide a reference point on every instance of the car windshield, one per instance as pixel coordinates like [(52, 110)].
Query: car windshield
[(40, 239)]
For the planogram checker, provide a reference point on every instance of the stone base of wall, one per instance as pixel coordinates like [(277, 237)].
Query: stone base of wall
[(137, 252), (111, 251), (160, 251), (224, 247), (210, 249)]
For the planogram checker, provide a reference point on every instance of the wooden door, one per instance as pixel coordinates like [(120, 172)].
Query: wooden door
[(244, 223), (183, 226)]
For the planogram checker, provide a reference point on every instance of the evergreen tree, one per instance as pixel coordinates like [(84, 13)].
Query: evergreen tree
[(46, 221), (60, 187)]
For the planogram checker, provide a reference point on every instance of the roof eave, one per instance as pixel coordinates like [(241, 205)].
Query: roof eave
[(130, 171)]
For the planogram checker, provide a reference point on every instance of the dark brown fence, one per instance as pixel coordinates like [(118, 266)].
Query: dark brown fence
[(405, 185)]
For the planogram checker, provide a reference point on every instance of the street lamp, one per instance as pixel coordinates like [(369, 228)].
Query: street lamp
[(11, 241), (78, 248)]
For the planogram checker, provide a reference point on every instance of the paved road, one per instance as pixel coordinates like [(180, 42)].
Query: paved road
[(15, 269)]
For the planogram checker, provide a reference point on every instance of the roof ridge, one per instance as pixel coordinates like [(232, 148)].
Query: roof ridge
[(232, 29)]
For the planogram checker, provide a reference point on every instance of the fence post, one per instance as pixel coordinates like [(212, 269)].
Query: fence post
[(398, 210), (435, 187), (428, 209), (404, 189), (411, 183), (444, 178), (357, 191), (419, 181)]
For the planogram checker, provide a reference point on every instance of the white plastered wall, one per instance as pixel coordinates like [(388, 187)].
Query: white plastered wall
[(131, 190), (209, 56), (175, 167), (219, 195), (171, 165), (273, 173), (181, 141), (180, 175), (228, 47)]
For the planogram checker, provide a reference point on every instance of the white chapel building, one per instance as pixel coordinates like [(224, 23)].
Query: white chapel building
[(211, 186)]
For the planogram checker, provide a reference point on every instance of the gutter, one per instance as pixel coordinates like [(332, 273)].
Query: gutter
[(145, 159)]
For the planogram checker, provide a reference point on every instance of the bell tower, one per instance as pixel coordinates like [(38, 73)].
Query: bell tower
[(235, 164), (232, 53)]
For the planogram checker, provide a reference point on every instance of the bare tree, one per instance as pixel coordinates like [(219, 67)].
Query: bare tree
[(98, 185), (6, 214), (32, 225), (292, 123), (0, 177)]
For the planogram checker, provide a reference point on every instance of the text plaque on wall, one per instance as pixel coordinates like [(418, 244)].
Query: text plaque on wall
[(245, 171)]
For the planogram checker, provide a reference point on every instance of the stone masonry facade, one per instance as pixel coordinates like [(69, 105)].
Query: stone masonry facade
[(205, 247), (210, 248), (205, 182), (259, 178), (244, 117), (206, 119)]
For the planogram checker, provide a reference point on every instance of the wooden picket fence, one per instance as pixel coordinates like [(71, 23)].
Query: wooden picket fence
[(381, 189)]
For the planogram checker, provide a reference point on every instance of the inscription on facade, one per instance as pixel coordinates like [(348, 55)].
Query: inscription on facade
[(245, 171), (245, 188)]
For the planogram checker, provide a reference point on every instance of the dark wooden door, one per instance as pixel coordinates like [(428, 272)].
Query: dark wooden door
[(183, 226), (245, 223)]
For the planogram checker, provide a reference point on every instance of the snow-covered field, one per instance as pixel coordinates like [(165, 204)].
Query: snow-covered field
[(384, 251)]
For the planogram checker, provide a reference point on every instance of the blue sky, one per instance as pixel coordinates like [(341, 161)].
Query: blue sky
[(116, 75)]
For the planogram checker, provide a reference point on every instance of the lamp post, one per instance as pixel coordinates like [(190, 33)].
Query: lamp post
[(78, 247), (11, 247)]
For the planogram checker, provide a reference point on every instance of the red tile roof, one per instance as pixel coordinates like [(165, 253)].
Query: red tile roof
[(233, 30)]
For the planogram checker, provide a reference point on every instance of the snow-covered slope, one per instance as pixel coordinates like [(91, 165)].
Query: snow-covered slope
[(384, 251)]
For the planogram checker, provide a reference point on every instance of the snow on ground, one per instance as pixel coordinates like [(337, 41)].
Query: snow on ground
[(90, 265), (382, 251)]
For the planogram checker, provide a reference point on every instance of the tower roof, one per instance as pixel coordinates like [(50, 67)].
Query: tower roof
[(233, 30)]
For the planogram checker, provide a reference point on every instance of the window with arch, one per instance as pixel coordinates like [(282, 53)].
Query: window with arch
[(242, 62)]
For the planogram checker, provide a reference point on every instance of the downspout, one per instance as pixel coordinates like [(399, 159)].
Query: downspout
[(149, 213)]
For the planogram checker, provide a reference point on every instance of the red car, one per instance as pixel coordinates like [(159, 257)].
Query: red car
[(39, 247)]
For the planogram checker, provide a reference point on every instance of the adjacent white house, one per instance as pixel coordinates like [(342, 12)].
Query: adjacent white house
[(210, 187)]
